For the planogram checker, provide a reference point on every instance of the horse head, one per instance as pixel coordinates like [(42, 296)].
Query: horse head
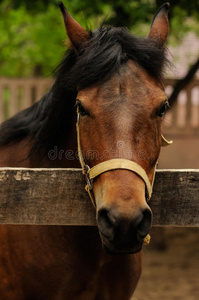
[(119, 120)]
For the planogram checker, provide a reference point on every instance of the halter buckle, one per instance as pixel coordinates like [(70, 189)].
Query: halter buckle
[(88, 180)]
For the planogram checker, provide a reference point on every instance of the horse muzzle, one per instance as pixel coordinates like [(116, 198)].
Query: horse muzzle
[(123, 234)]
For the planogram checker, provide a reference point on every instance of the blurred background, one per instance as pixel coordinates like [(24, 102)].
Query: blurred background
[(33, 41)]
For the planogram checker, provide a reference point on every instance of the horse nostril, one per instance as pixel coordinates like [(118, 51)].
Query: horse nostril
[(106, 223), (144, 226)]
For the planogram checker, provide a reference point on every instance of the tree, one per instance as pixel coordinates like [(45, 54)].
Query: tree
[(32, 32), (182, 83)]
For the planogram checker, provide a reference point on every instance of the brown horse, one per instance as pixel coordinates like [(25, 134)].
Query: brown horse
[(115, 79)]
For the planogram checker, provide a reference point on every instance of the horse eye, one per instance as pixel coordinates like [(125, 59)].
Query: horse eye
[(81, 109), (163, 109)]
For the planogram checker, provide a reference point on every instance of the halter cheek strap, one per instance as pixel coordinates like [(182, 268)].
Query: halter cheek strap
[(112, 164)]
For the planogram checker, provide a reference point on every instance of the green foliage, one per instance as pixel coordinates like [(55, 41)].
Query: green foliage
[(31, 44), (182, 22), (36, 5), (32, 32)]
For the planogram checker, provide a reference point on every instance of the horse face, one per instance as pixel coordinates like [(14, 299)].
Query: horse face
[(121, 118)]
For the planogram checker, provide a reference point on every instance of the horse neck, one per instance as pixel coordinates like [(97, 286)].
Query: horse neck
[(64, 156), (17, 154)]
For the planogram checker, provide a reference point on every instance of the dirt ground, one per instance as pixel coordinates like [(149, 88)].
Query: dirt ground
[(170, 266)]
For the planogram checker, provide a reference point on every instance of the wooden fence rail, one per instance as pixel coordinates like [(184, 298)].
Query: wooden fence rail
[(57, 197)]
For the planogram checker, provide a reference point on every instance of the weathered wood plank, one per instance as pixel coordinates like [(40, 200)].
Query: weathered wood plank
[(175, 200), (57, 197)]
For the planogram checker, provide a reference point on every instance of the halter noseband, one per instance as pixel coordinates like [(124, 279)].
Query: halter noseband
[(112, 164)]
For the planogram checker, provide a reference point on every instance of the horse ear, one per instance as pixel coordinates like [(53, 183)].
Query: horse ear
[(76, 33), (160, 24)]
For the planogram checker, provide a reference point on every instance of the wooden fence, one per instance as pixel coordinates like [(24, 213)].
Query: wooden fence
[(183, 118), (57, 197), (17, 94)]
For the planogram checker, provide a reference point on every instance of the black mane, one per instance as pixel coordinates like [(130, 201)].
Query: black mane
[(48, 122)]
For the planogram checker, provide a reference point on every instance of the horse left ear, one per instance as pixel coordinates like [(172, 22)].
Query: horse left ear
[(160, 24), (76, 33)]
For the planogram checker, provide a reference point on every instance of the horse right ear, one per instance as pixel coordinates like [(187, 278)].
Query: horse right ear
[(76, 33), (160, 24)]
